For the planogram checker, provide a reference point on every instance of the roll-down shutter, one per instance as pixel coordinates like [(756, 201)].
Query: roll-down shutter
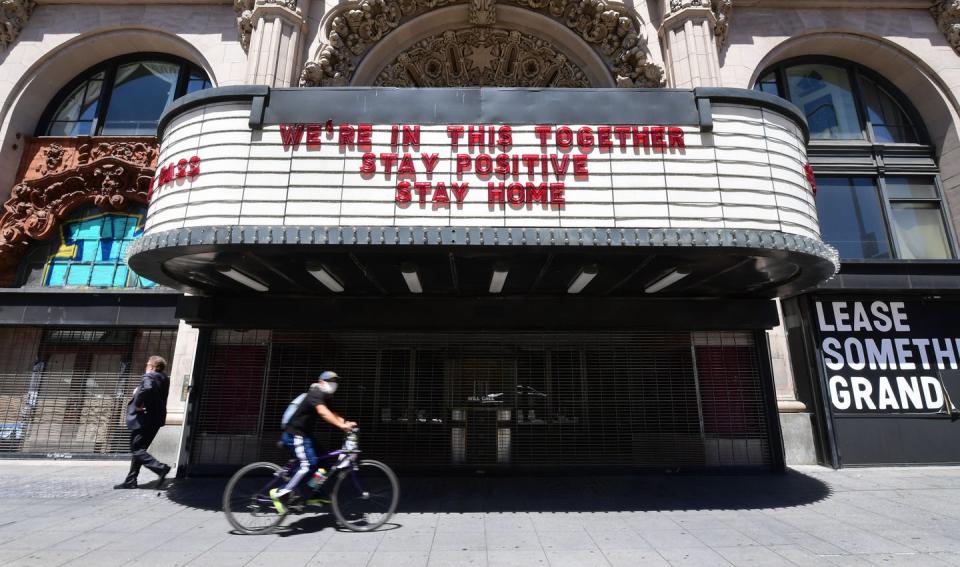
[(660, 400)]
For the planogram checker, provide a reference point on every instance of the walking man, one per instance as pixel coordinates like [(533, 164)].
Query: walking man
[(146, 414)]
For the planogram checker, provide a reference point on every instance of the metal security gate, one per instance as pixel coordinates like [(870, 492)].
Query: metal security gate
[(63, 390), (480, 400)]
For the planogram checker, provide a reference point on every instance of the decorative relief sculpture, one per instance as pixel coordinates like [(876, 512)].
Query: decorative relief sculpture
[(111, 175), (613, 33), (244, 10), (52, 160), (483, 12), (722, 9), (947, 14), (13, 16), (475, 57)]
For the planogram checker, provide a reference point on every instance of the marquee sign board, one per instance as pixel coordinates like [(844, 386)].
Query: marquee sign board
[(382, 163)]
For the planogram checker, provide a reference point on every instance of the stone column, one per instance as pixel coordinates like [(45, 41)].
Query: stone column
[(276, 30), (796, 421), (167, 446), (690, 46)]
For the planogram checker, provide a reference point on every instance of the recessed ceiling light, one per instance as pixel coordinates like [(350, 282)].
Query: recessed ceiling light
[(327, 278), (412, 278), (583, 278), (666, 281), (243, 278)]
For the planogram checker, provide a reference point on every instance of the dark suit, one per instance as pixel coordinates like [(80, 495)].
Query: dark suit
[(151, 396)]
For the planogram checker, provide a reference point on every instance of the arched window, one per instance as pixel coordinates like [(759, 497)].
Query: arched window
[(878, 191), (88, 250), (121, 97)]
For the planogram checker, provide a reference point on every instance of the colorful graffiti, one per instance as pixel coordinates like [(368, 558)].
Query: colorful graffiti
[(93, 250)]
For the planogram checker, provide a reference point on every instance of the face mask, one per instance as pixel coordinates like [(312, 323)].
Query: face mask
[(327, 387)]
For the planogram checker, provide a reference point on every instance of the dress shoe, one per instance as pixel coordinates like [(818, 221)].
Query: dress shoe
[(125, 485), (163, 475)]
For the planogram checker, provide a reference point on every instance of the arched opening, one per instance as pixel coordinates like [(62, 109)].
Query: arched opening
[(522, 49), (40, 84), (123, 96), (937, 107), (879, 194)]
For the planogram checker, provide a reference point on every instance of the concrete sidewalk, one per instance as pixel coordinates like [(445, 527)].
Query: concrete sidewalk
[(66, 513)]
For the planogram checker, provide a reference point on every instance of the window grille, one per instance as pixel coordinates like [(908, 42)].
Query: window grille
[(63, 392)]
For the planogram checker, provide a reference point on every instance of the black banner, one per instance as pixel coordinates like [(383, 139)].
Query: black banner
[(889, 356)]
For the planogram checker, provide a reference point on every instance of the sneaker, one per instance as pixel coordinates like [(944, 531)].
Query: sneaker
[(277, 499)]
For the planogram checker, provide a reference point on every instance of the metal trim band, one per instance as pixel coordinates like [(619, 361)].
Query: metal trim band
[(483, 236), (678, 107)]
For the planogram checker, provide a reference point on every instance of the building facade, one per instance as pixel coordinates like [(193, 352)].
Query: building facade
[(672, 234)]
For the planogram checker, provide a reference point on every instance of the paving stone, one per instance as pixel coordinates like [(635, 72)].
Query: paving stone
[(515, 558), (608, 540), (723, 537), (281, 559), (671, 539), (222, 559), (554, 541), (948, 558), (513, 541), (693, 557), (634, 557), (349, 541), (100, 558), (341, 559), (577, 558), (459, 541), (753, 557), (398, 558), (444, 558), (47, 558)]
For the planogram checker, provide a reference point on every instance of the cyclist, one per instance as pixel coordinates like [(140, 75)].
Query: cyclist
[(297, 437)]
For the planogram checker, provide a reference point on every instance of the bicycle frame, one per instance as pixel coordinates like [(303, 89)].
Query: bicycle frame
[(347, 459)]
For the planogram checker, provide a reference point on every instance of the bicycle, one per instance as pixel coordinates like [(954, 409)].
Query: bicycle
[(364, 494)]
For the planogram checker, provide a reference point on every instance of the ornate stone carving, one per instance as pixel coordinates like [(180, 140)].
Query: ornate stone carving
[(475, 57), (13, 16), (244, 10), (947, 14), (721, 9), (52, 160), (483, 12), (110, 175), (613, 33)]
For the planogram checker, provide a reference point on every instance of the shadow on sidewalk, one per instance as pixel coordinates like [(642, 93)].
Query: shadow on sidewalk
[(580, 493)]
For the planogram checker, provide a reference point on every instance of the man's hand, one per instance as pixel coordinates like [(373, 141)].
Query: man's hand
[(141, 409), (348, 426)]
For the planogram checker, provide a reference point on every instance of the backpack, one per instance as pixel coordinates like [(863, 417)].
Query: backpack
[(292, 408)]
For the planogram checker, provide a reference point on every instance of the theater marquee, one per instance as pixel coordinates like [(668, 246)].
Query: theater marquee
[(659, 159)]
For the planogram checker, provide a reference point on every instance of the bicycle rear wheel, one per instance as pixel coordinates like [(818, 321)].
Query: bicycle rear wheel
[(246, 501), (363, 499)]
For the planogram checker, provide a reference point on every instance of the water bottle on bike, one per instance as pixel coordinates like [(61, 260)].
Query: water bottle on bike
[(318, 479)]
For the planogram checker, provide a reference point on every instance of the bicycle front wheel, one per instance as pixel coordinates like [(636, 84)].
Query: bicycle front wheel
[(246, 500), (365, 497)]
